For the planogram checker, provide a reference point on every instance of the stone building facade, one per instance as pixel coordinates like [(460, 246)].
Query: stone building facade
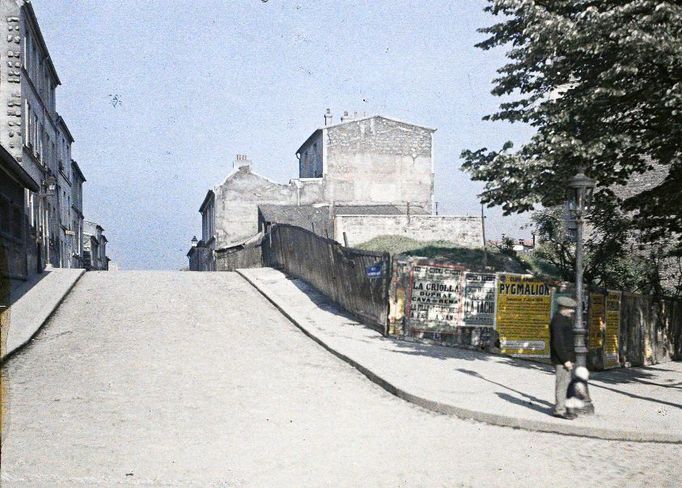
[(37, 137), (94, 247), (77, 219), (370, 166), (370, 160)]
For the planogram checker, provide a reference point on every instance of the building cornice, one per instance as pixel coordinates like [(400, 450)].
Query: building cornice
[(62, 123), (33, 21), (210, 195), (74, 165)]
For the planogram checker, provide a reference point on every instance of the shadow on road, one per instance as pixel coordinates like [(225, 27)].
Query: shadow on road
[(526, 403), (531, 398), (639, 397)]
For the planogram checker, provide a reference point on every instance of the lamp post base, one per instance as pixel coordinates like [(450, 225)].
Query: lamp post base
[(586, 409)]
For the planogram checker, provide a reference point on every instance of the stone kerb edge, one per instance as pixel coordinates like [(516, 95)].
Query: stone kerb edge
[(467, 414), (9, 354)]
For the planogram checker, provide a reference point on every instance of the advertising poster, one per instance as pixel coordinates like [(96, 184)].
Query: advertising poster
[(597, 321), (479, 300), (436, 298), (612, 329), (522, 317)]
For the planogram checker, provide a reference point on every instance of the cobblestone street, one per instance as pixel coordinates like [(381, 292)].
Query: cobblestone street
[(195, 379)]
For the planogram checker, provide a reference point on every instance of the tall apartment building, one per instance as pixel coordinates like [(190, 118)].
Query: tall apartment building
[(37, 137), (77, 221)]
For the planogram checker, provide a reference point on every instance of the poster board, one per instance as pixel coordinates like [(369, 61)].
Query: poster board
[(597, 321), (479, 300), (436, 297), (611, 359), (522, 315)]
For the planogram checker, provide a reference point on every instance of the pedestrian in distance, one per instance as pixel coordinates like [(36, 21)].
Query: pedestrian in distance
[(562, 352)]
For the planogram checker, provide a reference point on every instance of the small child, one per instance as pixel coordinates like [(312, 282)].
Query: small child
[(577, 391)]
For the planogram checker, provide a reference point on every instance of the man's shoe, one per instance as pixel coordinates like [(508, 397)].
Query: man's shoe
[(565, 415)]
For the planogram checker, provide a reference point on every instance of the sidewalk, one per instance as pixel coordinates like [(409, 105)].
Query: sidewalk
[(637, 404), (35, 305)]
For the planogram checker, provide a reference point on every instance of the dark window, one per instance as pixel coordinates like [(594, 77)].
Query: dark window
[(4, 215), (18, 223)]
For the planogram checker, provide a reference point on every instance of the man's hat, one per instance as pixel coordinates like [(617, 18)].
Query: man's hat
[(567, 302)]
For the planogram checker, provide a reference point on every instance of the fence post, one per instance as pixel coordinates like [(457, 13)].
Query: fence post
[(386, 284)]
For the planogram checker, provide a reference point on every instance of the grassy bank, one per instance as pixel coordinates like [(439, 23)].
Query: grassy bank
[(472, 258)]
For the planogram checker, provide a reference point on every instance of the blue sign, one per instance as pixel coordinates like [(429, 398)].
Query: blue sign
[(374, 271)]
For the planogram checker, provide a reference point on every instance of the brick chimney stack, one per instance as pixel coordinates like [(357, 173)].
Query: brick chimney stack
[(241, 161), (328, 117), (345, 116)]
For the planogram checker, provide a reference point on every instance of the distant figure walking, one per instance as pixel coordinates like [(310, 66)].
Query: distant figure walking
[(562, 353)]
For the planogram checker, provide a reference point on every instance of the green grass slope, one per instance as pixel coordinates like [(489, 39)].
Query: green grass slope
[(472, 258)]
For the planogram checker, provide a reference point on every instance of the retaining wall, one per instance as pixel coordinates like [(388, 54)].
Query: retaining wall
[(462, 231), (233, 259), (356, 280)]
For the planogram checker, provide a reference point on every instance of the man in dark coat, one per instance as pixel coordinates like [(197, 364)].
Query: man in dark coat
[(562, 352)]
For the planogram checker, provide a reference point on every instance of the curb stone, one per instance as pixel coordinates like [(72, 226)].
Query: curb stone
[(7, 355), (467, 414)]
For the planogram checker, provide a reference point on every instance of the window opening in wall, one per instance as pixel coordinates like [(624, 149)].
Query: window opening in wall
[(4, 215)]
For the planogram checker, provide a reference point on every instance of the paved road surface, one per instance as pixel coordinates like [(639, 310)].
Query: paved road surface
[(194, 379)]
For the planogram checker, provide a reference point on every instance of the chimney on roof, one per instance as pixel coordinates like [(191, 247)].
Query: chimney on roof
[(328, 117), (241, 161), (344, 117)]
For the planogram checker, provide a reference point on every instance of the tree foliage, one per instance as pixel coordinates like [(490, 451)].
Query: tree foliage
[(601, 82), (611, 259)]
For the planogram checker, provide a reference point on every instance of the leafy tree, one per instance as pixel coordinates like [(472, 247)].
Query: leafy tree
[(601, 81), (611, 259), (554, 254)]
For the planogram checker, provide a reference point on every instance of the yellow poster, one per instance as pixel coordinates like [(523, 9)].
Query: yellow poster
[(522, 318), (595, 339), (612, 329)]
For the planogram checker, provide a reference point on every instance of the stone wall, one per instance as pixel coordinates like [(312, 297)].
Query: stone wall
[(462, 231), (243, 257), (12, 117), (378, 160), (236, 204), (201, 259)]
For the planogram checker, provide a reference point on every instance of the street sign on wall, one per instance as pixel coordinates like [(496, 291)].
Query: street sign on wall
[(374, 271)]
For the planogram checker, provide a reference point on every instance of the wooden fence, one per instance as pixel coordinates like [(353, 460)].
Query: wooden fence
[(354, 279), (650, 331)]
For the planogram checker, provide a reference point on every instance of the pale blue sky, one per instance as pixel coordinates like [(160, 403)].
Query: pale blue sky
[(201, 81)]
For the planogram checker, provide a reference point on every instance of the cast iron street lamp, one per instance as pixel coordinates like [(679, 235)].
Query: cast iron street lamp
[(579, 196), (50, 186)]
